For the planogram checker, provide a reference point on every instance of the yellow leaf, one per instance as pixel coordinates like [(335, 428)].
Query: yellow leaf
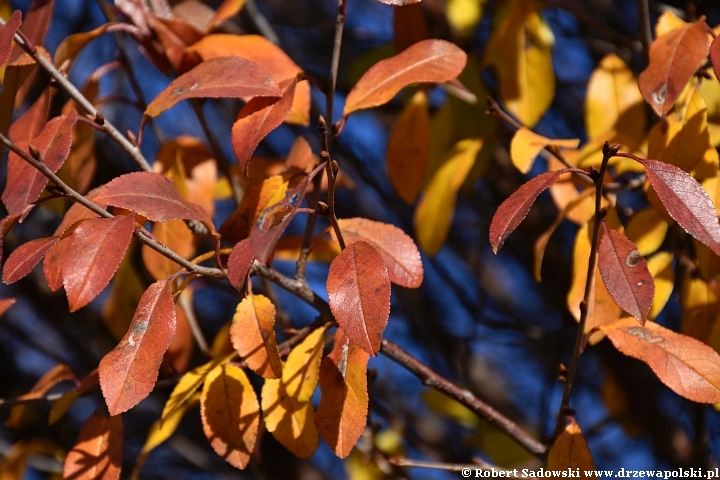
[(613, 101), (291, 422), (434, 213), (188, 385), (300, 373), (230, 414), (408, 149), (709, 90), (464, 15), (647, 230), (570, 450), (712, 187), (688, 137), (700, 309), (162, 429), (221, 345), (448, 407), (660, 266), (526, 145), (253, 335), (667, 22)]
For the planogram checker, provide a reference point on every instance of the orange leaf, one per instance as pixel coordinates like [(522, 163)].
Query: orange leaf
[(253, 335), (526, 145), (175, 235), (291, 422), (570, 450), (260, 116), (686, 365), (51, 378), (129, 372), (342, 413), (230, 414), (625, 274), (25, 257), (358, 289), (52, 265), (73, 44), (98, 451), (398, 250), (301, 157), (98, 246), (7, 32), (714, 56), (408, 149), (426, 61), (226, 10), (240, 223), (221, 77), (6, 303), (239, 264), (674, 58), (300, 372)]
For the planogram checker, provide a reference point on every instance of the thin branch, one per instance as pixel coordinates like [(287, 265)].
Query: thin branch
[(608, 152), (66, 85), (331, 168), (645, 30)]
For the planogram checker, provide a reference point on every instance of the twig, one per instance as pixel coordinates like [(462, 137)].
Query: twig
[(645, 31), (608, 152), (113, 132), (331, 168)]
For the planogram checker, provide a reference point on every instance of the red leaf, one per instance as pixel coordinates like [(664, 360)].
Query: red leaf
[(426, 61), (25, 257), (98, 245), (76, 213), (151, 195), (25, 182), (37, 20), (275, 219), (398, 250), (7, 32), (398, 2), (625, 274), (342, 413), (259, 117), (358, 289), (239, 264), (128, 373), (686, 201), (52, 265), (220, 77), (715, 56), (98, 451), (6, 303), (5, 225), (674, 59), (514, 210)]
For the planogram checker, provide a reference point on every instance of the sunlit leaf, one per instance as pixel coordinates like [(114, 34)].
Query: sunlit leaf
[(570, 450), (163, 428), (647, 230), (526, 145), (301, 371), (661, 269), (290, 421), (98, 451), (240, 223), (253, 335)]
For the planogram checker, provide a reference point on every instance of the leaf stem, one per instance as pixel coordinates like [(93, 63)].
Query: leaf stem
[(608, 152)]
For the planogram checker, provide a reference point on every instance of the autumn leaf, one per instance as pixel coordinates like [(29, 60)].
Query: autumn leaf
[(226, 10), (6, 303), (49, 379), (647, 230), (674, 58), (661, 268), (260, 116), (7, 33), (358, 289), (253, 335), (435, 211), (686, 201), (97, 245), (408, 149), (52, 264), (129, 372), (220, 77), (98, 451), (526, 145), (433, 61), (256, 199), (290, 421), (301, 370), (6, 224), (72, 45), (24, 258), (514, 210), (230, 414), (163, 428), (342, 413), (715, 56), (63, 404), (570, 450), (625, 273), (175, 235), (398, 2), (686, 365), (186, 387), (396, 248), (239, 264), (151, 195)]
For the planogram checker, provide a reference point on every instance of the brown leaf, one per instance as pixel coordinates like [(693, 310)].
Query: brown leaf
[(152, 196), (253, 336), (25, 182), (7, 32), (674, 58), (98, 451), (239, 264), (25, 257), (342, 413), (129, 372), (686, 201), (230, 414), (260, 116), (687, 366), (427, 61), (358, 289), (221, 77), (625, 274), (514, 210), (97, 245), (398, 250), (570, 450), (52, 265)]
